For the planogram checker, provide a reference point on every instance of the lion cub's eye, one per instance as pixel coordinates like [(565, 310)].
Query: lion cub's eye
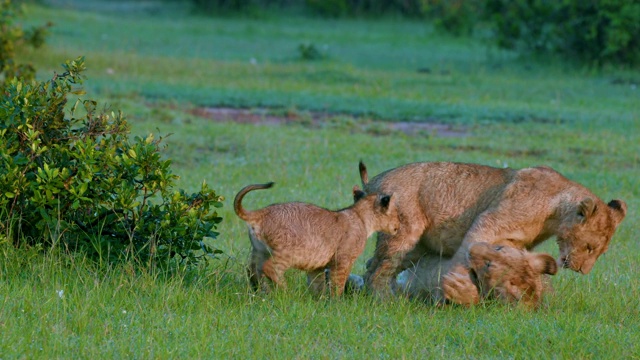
[(487, 263), (499, 247)]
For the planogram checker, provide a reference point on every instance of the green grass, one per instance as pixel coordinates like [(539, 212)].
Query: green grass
[(515, 111)]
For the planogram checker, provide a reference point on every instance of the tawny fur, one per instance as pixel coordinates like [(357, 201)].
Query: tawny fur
[(310, 238), (505, 273), (497, 272), (446, 207)]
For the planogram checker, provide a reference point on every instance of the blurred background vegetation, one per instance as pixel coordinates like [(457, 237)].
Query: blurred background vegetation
[(596, 31)]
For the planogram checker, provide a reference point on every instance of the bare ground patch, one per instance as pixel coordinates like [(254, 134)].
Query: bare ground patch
[(270, 117)]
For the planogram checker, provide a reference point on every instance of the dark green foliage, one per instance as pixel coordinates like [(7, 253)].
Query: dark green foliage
[(335, 8), (309, 51), (80, 182), (330, 8), (11, 38), (226, 5), (594, 31), (457, 17)]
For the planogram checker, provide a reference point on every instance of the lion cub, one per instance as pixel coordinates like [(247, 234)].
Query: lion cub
[(505, 273), (446, 207), (310, 238)]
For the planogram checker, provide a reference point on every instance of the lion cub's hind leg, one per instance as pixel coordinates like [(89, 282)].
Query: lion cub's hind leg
[(254, 276), (255, 272), (317, 281), (261, 264), (274, 271)]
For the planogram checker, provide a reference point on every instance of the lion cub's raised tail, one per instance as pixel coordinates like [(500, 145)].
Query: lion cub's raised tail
[(237, 202)]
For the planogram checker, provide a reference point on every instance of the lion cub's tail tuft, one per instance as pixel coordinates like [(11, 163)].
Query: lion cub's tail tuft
[(237, 202)]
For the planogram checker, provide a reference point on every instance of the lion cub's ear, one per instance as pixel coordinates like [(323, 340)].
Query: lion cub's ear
[(543, 264), (586, 208), (364, 177), (357, 193), (620, 209), (385, 200)]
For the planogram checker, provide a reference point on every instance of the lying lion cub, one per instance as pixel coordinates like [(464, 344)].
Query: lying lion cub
[(508, 274), (446, 207), (497, 272), (310, 238)]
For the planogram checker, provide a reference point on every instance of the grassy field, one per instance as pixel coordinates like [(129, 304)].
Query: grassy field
[(159, 65)]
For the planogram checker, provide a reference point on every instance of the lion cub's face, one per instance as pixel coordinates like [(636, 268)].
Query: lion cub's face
[(385, 210), (583, 239), (510, 274), (386, 215)]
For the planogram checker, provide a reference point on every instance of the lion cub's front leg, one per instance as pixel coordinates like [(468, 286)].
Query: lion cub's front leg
[(388, 257), (459, 288), (338, 274)]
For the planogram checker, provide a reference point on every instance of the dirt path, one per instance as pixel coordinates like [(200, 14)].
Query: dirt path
[(320, 119)]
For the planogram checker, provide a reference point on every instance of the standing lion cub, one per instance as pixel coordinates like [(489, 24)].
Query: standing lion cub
[(310, 238)]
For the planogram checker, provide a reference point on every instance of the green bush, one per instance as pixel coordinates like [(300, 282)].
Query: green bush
[(457, 17), (454, 15), (79, 182), (209, 6), (11, 38), (594, 31), (334, 8), (309, 52), (330, 8)]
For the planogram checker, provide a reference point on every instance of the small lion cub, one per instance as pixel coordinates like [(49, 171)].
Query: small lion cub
[(310, 238), (505, 273)]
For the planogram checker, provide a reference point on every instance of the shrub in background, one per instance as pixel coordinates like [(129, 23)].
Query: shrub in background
[(80, 182), (409, 8), (226, 6), (330, 8), (11, 38), (593, 31), (457, 17), (208, 6), (309, 52)]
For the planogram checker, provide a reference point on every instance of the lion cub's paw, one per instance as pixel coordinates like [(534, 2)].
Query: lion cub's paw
[(458, 288)]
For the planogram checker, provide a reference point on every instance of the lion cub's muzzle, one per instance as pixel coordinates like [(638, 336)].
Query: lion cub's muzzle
[(583, 267)]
